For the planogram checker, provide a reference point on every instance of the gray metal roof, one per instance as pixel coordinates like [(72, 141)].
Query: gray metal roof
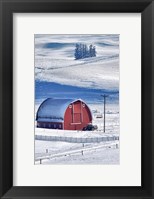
[(54, 109)]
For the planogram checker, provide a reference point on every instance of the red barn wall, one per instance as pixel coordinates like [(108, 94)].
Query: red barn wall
[(77, 116)]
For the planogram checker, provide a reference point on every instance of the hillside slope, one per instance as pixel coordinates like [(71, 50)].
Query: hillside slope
[(54, 61)]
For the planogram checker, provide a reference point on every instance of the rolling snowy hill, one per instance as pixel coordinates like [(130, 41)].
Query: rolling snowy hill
[(54, 61)]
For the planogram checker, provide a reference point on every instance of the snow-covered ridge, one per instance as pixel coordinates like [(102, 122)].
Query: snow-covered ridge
[(54, 61), (99, 72)]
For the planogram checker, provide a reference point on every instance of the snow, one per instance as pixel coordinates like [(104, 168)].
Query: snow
[(112, 123), (50, 119), (59, 75), (64, 72), (112, 117), (70, 153), (103, 155), (48, 109), (71, 133), (54, 62)]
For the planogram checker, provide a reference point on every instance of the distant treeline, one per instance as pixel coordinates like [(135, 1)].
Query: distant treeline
[(82, 51)]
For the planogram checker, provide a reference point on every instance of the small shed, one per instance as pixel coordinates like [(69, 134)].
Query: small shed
[(67, 114)]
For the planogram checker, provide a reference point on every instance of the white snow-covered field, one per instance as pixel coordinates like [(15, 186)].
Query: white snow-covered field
[(54, 61), (64, 72), (105, 155), (96, 153)]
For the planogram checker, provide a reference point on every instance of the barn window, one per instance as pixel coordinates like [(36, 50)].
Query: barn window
[(83, 105), (70, 106)]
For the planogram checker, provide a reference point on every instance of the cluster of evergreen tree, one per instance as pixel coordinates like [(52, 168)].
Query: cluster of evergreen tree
[(82, 51)]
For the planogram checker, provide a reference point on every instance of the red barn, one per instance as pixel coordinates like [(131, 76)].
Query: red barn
[(64, 114)]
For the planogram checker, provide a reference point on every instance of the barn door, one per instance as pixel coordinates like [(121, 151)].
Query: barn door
[(77, 112), (77, 117)]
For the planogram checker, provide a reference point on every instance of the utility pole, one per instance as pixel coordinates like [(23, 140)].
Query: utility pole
[(104, 96)]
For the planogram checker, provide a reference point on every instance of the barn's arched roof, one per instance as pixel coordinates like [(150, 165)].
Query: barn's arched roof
[(53, 109)]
